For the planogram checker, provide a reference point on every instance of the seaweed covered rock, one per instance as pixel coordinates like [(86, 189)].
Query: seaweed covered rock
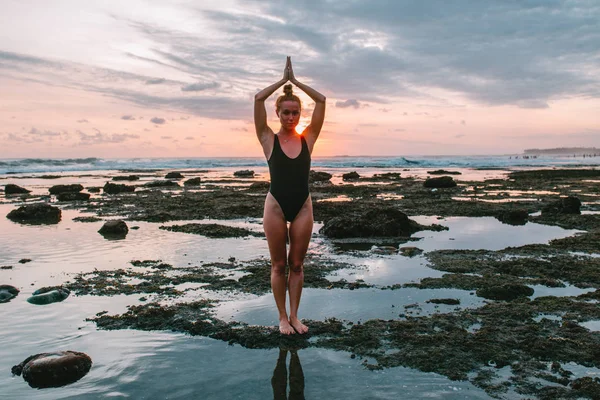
[(73, 196), (38, 213), (126, 178), (441, 182), (115, 228), (53, 369), (161, 183), (351, 176), (318, 176), (15, 189), (7, 293), (115, 188), (565, 205), (192, 182), (410, 251), (246, 173), (507, 292), (56, 189), (47, 295), (174, 175), (443, 172), (260, 185), (380, 222), (513, 217)]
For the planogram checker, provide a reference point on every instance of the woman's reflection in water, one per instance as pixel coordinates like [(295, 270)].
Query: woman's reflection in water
[(280, 378)]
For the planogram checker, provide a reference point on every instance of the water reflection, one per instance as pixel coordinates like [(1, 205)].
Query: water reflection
[(279, 381)]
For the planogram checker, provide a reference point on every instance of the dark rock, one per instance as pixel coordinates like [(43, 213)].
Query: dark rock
[(87, 219), (410, 251), (388, 176), (24, 260), (6, 267), (507, 291), (38, 213), (126, 178), (246, 173), (192, 182), (514, 217), (385, 221), (441, 182), (174, 175), (443, 172), (15, 189), (47, 295), (73, 196), (114, 228), (212, 230), (261, 185), (7, 293), (56, 189), (53, 369), (444, 301), (161, 183), (318, 176), (351, 176), (114, 188), (94, 189), (587, 386), (565, 205)]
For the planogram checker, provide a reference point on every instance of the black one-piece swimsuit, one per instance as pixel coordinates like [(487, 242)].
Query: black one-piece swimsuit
[(289, 178)]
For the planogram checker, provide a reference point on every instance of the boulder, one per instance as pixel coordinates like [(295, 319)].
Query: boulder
[(115, 228), (56, 189), (318, 176), (47, 295), (507, 291), (73, 196), (174, 175), (192, 182), (441, 182), (565, 205), (246, 173), (94, 189), (38, 213), (410, 251), (379, 222), (115, 188), (53, 369), (443, 172), (126, 178), (351, 176), (513, 217), (7, 293), (161, 183), (15, 189)]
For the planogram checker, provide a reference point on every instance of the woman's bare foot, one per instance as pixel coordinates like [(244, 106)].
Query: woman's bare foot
[(298, 326), (285, 328)]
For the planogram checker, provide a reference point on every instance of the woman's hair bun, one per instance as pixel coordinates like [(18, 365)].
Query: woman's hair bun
[(288, 89)]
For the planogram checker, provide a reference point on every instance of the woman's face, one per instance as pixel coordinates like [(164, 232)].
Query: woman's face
[(289, 114)]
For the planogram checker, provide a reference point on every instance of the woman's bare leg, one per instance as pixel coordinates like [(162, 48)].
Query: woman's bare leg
[(300, 234), (276, 232)]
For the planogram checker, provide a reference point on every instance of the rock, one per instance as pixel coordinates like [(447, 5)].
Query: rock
[(384, 250), (444, 301), (161, 183), (388, 176), (126, 178), (56, 189), (192, 182), (565, 205), (15, 189), (513, 217), (351, 176), (115, 228), (174, 175), (410, 251), (441, 182), (7, 293), (73, 196), (507, 291), (114, 188), (53, 369), (246, 173), (38, 213), (314, 176), (379, 222), (49, 295), (24, 260), (261, 185), (94, 189), (443, 172)]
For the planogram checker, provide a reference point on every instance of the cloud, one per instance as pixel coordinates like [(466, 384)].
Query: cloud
[(158, 121), (463, 122), (243, 129), (101, 138), (190, 138), (156, 81), (128, 117), (82, 121), (166, 137), (348, 103), (199, 86)]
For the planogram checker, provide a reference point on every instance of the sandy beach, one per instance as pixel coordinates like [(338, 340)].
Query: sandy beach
[(494, 296)]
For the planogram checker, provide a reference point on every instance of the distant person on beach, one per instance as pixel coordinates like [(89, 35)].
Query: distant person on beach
[(288, 155)]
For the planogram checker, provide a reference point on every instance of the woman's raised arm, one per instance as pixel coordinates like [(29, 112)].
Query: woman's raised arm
[(260, 113), (316, 122)]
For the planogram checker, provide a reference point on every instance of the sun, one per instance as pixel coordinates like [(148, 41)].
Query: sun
[(301, 126)]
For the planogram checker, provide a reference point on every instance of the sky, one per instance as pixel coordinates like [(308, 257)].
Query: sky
[(177, 78)]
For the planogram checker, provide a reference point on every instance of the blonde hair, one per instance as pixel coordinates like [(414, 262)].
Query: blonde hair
[(287, 95)]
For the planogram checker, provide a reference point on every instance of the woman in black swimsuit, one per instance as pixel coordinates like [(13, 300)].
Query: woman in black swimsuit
[(288, 200)]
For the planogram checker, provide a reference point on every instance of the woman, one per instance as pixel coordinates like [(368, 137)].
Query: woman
[(288, 200)]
